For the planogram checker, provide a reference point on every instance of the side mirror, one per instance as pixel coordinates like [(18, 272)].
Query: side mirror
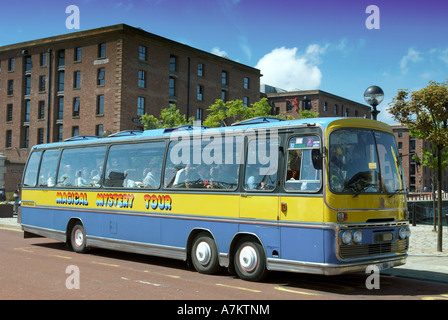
[(316, 157)]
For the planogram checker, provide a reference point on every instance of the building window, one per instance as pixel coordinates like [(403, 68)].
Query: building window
[(60, 115), (224, 80), (140, 106), (246, 83), (77, 80), (27, 85), (347, 112), (61, 58), (8, 139), (76, 105), (27, 110), (400, 145), (356, 113), (142, 53), (78, 54), (75, 131), (325, 106), (199, 113), (100, 80), (400, 134), (288, 105), (43, 59), (10, 87), (172, 87), (200, 70), (61, 75), (335, 109), (99, 130), (41, 110), (223, 95), (306, 105), (40, 136), (26, 137), (173, 66), (142, 79), (42, 80), (200, 92), (102, 50), (11, 64), (60, 132), (28, 63), (9, 112), (246, 101), (100, 105)]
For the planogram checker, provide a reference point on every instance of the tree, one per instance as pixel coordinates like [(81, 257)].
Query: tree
[(169, 117), (425, 113), (226, 113)]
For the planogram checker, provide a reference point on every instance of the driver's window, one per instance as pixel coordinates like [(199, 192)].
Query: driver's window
[(301, 174)]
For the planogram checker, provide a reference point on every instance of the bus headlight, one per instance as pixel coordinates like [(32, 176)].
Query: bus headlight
[(346, 237), (404, 232), (357, 236)]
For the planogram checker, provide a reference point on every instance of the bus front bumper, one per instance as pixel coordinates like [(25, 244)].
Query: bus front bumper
[(335, 269)]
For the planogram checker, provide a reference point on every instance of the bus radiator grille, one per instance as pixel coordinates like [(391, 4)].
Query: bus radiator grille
[(358, 251)]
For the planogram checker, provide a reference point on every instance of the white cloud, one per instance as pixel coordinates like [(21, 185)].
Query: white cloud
[(290, 70), (219, 52), (412, 56)]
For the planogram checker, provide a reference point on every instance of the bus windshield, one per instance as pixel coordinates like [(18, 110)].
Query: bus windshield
[(364, 161)]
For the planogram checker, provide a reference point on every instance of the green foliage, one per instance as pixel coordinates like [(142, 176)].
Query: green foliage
[(169, 117), (220, 114), (425, 113)]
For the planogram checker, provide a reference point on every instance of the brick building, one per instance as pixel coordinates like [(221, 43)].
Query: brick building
[(324, 103), (418, 178), (103, 80)]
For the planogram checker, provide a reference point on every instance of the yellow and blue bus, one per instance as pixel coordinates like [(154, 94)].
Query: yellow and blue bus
[(323, 195)]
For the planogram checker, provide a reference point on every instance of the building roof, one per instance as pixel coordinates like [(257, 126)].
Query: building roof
[(313, 92), (118, 29)]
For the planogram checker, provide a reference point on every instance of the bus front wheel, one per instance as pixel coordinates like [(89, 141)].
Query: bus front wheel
[(78, 238), (204, 254), (250, 261)]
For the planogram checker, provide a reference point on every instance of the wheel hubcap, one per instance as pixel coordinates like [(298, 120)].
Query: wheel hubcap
[(203, 253), (248, 259), (79, 237)]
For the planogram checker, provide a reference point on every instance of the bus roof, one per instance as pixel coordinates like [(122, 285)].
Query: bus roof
[(259, 122)]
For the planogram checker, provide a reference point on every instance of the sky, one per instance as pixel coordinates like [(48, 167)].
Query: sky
[(339, 46)]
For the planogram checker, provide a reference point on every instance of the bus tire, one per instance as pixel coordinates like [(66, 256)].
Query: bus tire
[(250, 261), (78, 238), (204, 254)]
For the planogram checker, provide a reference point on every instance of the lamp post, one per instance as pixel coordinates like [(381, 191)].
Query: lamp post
[(374, 95)]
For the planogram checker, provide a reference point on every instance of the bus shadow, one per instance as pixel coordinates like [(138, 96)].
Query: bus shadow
[(359, 284), (120, 255)]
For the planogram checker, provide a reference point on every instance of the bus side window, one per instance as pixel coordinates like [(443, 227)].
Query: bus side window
[(261, 165), (32, 167), (136, 165), (47, 175), (81, 167)]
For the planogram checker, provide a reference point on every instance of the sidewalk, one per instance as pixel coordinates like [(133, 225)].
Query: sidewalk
[(423, 262)]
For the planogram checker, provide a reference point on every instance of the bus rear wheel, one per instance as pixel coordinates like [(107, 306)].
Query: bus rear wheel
[(204, 254), (250, 261), (78, 238)]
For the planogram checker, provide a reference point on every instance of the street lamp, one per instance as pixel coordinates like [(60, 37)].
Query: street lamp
[(374, 95)]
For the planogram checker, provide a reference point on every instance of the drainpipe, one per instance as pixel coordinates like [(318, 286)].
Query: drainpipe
[(48, 95)]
